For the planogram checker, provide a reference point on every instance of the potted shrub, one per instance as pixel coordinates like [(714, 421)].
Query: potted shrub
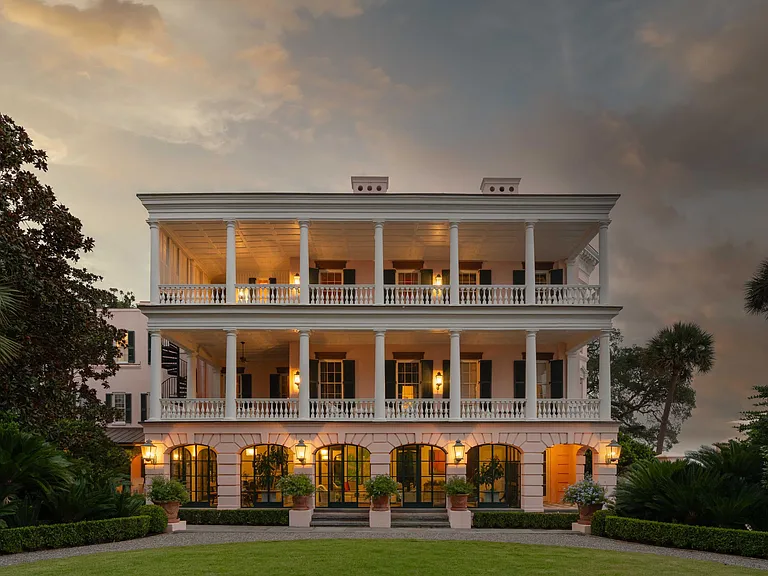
[(380, 489), (588, 495), (459, 489), (169, 495), (299, 487)]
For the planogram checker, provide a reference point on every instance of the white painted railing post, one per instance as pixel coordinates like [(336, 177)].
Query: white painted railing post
[(454, 264), (530, 374), (603, 264), (154, 263), (379, 384), (231, 263), (155, 375), (304, 375), (231, 376), (604, 375), (303, 262), (455, 400), (378, 263), (192, 375), (530, 265), (573, 381)]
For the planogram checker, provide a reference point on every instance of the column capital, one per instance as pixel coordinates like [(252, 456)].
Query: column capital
[(530, 333), (455, 333), (230, 222), (378, 223), (153, 224), (304, 332), (606, 332), (231, 331), (304, 223), (153, 331), (604, 223), (380, 332), (530, 223), (453, 224)]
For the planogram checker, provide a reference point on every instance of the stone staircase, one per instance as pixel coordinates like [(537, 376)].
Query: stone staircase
[(340, 517), (420, 518)]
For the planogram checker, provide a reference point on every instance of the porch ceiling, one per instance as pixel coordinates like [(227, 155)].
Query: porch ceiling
[(267, 246), (270, 343)]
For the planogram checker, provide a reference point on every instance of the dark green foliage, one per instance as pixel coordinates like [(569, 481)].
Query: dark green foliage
[(756, 291), (13, 540), (530, 520), (92, 498), (87, 441), (241, 517), (158, 519), (720, 540), (632, 450), (755, 424), (598, 521)]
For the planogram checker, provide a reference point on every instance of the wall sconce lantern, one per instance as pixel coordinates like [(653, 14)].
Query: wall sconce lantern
[(297, 378), (149, 452), (296, 279), (439, 380), (439, 280), (612, 452), (458, 452), (301, 451)]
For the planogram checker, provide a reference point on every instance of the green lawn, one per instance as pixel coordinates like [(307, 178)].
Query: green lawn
[(355, 557)]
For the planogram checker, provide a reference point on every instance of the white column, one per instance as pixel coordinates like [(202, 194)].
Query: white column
[(191, 374), (303, 263), (231, 263), (530, 265), (572, 273), (155, 375), (378, 262), (379, 384), (230, 381), (573, 381), (304, 374), (603, 264), (454, 265), (455, 400), (530, 374), (604, 375), (154, 263)]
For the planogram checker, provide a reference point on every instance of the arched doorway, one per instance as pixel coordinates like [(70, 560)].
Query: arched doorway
[(340, 472), (194, 465), (419, 470), (564, 464), (495, 471), (261, 466)]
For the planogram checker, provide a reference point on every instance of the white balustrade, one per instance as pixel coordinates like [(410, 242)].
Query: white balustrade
[(192, 294), (191, 408), (267, 293), (339, 409), (562, 295), (492, 409), (267, 409), (341, 295), (492, 295), (412, 295), (568, 409), (421, 409)]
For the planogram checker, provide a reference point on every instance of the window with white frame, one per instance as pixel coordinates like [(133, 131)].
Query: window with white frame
[(470, 378), (468, 278), (124, 351), (408, 378), (542, 277), (118, 403), (332, 277), (408, 277), (543, 384), (331, 379)]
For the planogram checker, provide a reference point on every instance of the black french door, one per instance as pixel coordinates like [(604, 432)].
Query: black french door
[(419, 470)]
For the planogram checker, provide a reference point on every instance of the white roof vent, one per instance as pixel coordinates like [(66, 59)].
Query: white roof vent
[(370, 184), (500, 186)]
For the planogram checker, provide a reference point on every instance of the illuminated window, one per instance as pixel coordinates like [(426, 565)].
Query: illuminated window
[(543, 384), (118, 403), (408, 378), (469, 378), (408, 278), (542, 277), (331, 379), (331, 277), (468, 278)]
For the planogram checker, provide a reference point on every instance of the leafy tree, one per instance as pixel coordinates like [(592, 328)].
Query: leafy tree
[(632, 450), (64, 335), (9, 306), (122, 299), (756, 291), (755, 424), (674, 355), (637, 394)]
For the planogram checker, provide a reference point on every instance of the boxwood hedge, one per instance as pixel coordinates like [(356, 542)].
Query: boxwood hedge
[(598, 521), (530, 520), (721, 540), (158, 519), (238, 517), (31, 538)]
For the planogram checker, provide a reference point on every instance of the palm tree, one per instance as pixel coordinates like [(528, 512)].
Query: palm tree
[(675, 354), (9, 305), (756, 291)]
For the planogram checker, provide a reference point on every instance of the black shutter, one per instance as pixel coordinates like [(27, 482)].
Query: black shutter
[(274, 386), (446, 276), (556, 377), (131, 347), (246, 386), (556, 276), (314, 275), (349, 378), (426, 277), (143, 406), (426, 379), (518, 277), (149, 349), (446, 379), (390, 277), (519, 370), (128, 408), (349, 276), (273, 280), (251, 280), (485, 278), (486, 379), (108, 400), (390, 379), (314, 378)]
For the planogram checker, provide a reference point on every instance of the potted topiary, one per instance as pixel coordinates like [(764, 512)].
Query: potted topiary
[(169, 495), (459, 489), (588, 495), (299, 487), (380, 489)]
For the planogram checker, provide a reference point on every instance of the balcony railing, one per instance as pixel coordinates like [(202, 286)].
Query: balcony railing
[(192, 294), (267, 293), (412, 295), (492, 295), (345, 295), (492, 409), (560, 294), (422, 409), (353, 409), (191, 408), (267, 409), (568, 409)]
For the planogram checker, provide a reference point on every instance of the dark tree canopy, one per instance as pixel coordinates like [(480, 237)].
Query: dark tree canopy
[(62, 325), (756, 291), (755, 422)]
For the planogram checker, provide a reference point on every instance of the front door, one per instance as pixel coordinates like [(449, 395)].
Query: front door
[(420, 474), (342, 470)]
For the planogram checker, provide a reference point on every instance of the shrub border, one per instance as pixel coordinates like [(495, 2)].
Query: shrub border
[(720, 540), (158, 519), (236, 517), (529, 520), (46, 536)]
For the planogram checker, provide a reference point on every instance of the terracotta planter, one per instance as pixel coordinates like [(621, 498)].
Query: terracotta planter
[(171, 510), (301, 502), (380, 503), (586, 511), (459, 501)]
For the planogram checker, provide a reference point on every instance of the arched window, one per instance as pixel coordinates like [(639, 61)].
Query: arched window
[(419, 470), (195, 466), (494, 469), (261, 466), (340, 472)]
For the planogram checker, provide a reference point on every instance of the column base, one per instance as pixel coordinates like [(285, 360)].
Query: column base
[(299, 518), (460, 519), (380, 518)]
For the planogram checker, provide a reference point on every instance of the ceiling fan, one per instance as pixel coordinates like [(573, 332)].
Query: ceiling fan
[(242, 358)]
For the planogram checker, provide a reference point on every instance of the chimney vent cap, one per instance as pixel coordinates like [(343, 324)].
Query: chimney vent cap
[(500, 185), (370, 184)]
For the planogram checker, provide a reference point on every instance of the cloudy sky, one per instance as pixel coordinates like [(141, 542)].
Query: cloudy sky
[(661, 101)]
